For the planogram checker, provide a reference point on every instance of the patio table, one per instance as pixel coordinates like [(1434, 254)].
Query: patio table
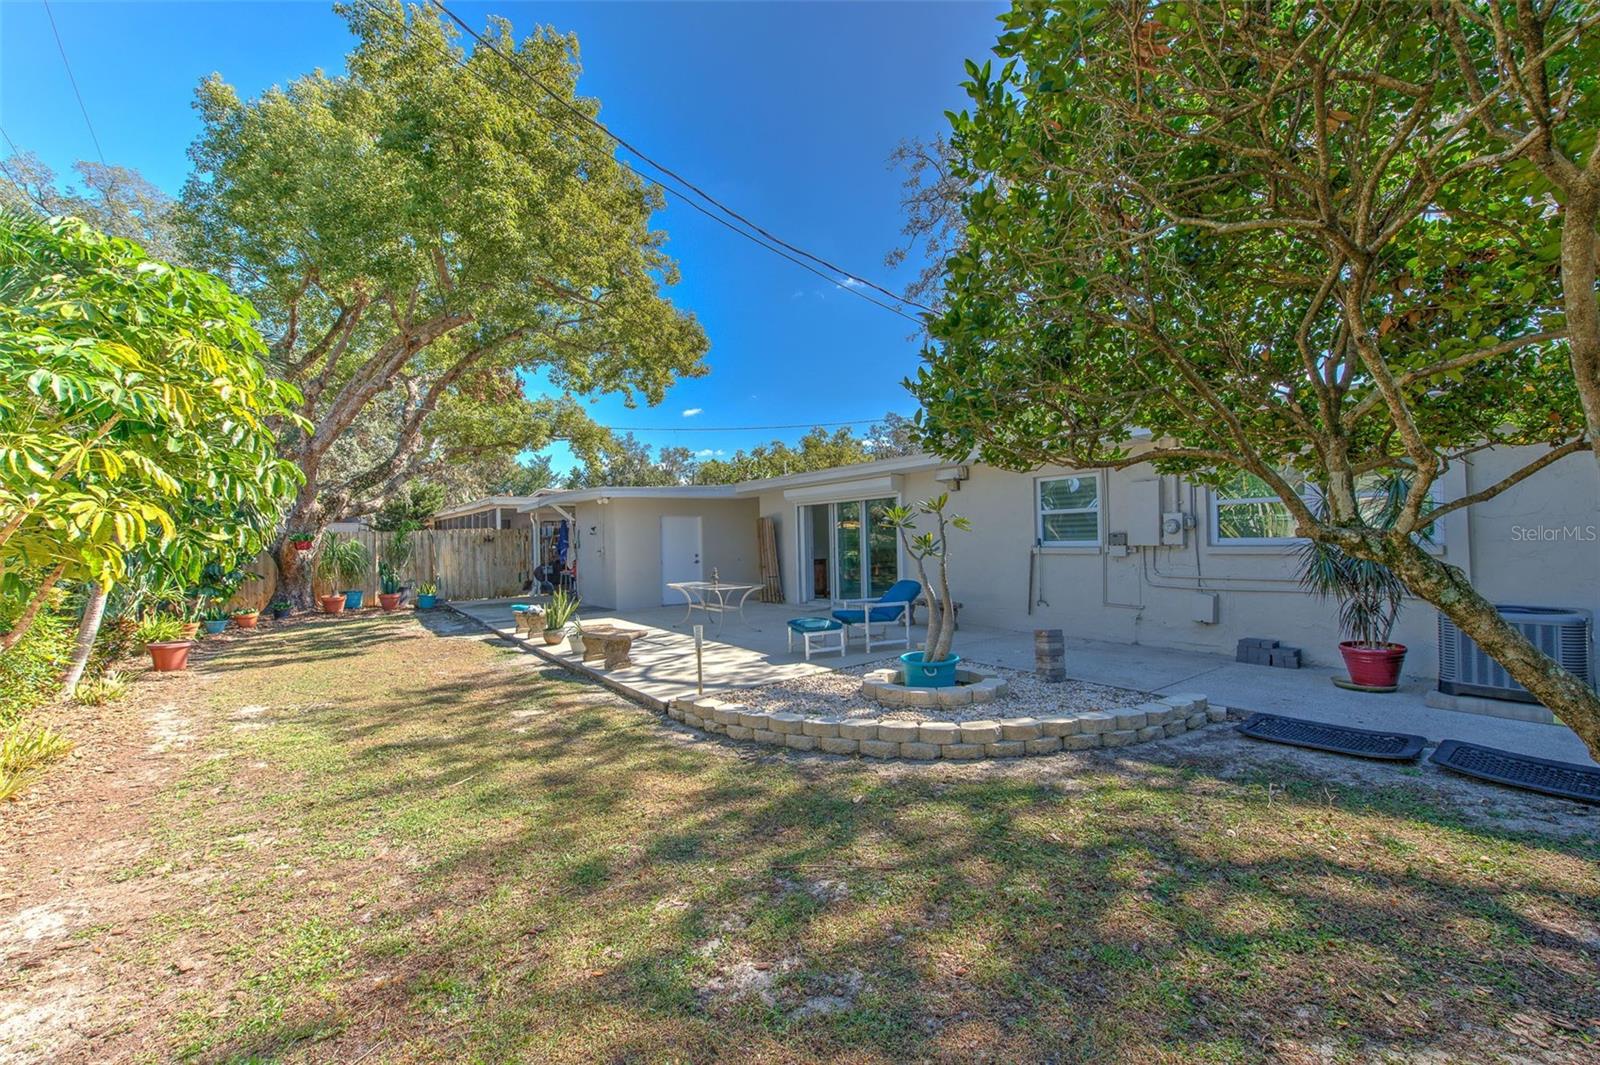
[(713, 597)]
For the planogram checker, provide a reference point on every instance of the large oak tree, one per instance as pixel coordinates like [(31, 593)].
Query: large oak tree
[(1277, 236), (424, 234)]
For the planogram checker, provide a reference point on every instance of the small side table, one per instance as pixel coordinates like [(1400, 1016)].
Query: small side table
[(814, 635)]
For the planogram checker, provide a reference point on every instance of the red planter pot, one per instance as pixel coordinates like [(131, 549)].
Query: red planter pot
[(332, 604), (246, 621), (1373, 667), (389, 602), (301, 545), (170, 657)]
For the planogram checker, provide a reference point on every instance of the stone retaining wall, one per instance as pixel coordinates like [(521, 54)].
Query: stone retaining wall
[(1168, 715)]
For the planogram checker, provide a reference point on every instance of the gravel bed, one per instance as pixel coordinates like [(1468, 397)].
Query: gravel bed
[(838, 694)]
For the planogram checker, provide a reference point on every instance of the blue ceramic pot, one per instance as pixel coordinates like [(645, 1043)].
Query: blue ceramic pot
[(921, 674), (214, 627), (424, 602), (352, 599)]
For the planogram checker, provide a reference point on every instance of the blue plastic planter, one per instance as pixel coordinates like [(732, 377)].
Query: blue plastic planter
[(214, 627), (352, 599), (934, 675), (424, 602)]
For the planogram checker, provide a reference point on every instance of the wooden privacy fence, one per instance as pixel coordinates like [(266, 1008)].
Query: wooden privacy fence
[(464, 563)]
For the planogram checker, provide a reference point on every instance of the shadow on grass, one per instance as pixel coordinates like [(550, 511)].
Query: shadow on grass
[(593, 884)]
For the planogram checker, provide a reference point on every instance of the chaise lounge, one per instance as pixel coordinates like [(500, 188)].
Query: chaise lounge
[(893, 607)]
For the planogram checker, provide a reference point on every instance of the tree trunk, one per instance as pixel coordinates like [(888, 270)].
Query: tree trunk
[(1447, 588), (94, 611), (1579, 255), (24, 620), (294, 567)]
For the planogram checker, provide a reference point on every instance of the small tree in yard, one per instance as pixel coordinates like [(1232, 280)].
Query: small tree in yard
[(424, 233), (933, 545), (1276, 237)]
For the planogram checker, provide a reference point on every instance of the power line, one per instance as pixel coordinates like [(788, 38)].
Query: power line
[(558, 98), (74, 82), (734, 428)]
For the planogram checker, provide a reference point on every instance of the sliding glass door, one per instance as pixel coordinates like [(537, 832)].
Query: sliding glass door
[(866, 554)]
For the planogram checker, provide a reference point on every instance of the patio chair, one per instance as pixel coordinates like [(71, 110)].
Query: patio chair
[(892, 607)]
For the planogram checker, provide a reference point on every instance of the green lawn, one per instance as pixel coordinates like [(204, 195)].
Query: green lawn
[(396, 845)]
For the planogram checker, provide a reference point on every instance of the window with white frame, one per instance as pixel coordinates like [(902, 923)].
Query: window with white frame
[(1245, 510), (1069, 511)]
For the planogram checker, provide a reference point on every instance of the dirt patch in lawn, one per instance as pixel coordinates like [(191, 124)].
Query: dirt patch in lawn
[(381, 839)]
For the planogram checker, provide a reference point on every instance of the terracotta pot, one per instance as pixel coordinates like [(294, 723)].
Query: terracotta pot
[(389, 601), (1373, 667), (191, 629), (247, 621), (554, 636), (171, 656), (332, 604)]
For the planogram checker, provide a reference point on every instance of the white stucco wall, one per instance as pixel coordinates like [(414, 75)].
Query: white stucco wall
[(619, 552), (1148, 595)]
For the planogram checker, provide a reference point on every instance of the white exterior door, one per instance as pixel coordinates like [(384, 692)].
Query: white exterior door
[(680, 555)]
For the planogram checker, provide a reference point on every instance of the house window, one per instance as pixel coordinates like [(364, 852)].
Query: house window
[(1069, 511), (1245, 510)]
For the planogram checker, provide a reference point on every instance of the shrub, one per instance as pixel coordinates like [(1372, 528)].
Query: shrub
[(29, 672), (97, 691), (25, 751), (160, 628)]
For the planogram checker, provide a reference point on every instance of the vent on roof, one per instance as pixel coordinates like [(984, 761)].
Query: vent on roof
[(1564, 635)]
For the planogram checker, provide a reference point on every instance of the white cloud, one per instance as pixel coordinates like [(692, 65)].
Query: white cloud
[(692, 411), (709, 453), (850, 282)]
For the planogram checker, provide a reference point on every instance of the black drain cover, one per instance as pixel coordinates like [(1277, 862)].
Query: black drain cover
[(1566, 780), (1363, 743)]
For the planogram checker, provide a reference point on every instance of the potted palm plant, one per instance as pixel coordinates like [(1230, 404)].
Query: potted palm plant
[(561, 611), (162, 636), (427, 595), (934, 666), (1369, 597), (343, 560)]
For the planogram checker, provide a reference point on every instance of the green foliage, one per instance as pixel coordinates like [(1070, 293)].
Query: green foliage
[(561, 610), (132, 402), (97, 691), (409, 507), (343, 559), (30, 671), (424, 236), (25, 752), (160, 628), (388, 578), (428, 588), (117, 201)]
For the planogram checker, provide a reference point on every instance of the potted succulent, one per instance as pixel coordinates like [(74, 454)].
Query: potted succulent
[(427, 595), (561, 611), (162, 636), (302, 541), (214, 618), (933, 666), (280, 608), (246, 617), (1369, 596), (343, 560), (390, 589)]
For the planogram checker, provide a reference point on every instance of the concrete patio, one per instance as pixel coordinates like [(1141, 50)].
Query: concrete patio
[(751, 651)]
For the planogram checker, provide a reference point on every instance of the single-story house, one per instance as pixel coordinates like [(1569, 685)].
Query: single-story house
[(1129, 555)]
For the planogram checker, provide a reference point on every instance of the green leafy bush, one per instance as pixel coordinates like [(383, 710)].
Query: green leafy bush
[(29, 672), (97, 691)]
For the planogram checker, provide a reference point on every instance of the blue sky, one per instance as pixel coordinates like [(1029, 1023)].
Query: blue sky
[(785, 111)]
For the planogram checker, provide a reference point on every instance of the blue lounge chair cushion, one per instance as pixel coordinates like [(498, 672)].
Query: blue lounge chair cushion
[(890, 606)]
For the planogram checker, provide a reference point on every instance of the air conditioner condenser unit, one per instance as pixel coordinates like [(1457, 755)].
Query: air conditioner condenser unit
[(1564, 635)]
